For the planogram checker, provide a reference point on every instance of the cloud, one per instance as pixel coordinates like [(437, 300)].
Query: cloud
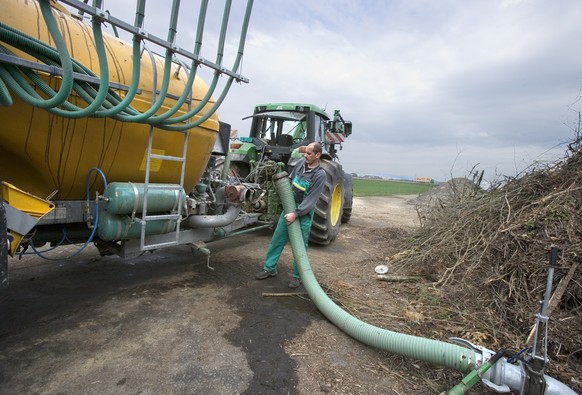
[(428, 85)]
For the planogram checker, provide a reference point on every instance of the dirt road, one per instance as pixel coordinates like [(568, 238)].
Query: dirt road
[(172, 323)]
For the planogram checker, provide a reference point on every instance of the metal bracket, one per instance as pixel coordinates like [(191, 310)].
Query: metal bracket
[(199, 245), (535, 382), (18, 221), (486, 353)]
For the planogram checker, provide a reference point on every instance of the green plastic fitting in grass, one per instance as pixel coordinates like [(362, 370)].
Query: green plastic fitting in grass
[(503, 375)]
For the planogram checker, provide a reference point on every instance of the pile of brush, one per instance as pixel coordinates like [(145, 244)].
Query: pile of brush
[(485, 251)]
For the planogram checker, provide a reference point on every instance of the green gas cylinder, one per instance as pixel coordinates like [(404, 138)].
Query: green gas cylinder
[(120, 227), (127, 198)]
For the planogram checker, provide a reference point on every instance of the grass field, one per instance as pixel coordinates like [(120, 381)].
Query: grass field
[(387, 188)]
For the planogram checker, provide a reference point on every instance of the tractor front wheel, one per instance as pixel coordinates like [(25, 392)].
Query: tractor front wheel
[(328, 210)]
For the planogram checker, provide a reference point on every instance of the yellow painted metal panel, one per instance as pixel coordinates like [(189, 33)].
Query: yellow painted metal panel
[(26, 203), (23, 201), (43, 153)]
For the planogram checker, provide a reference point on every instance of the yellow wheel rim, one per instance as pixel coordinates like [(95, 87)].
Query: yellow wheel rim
[(336, 205)]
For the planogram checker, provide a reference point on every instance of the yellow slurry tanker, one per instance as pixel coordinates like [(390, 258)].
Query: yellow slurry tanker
[(118, 143), (106, 141)]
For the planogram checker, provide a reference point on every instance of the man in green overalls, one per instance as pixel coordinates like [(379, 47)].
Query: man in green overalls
[(308, 180)]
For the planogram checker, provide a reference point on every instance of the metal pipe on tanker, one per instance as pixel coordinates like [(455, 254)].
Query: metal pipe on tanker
[(214, 221)]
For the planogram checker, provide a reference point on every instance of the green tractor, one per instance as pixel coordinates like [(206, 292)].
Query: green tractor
[(279, 132)]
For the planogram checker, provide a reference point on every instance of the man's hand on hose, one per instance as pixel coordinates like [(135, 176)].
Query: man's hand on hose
[(290, 217)]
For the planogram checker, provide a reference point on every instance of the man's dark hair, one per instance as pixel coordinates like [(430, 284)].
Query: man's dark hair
[(316, 148)]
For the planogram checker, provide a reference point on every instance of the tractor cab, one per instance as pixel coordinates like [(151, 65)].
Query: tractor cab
[(277, 133), (278, 130)]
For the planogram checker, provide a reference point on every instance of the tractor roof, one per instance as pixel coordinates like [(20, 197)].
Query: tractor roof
[(291, 107)]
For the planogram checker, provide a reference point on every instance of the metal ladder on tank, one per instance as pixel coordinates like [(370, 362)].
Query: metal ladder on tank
[(179, 188)]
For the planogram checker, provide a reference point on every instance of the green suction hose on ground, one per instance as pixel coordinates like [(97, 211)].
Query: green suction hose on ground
[(493, 370), (437, 352)]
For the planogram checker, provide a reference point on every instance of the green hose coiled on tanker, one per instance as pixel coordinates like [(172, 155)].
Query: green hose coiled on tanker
[(5, 98), (105, 102), (14, 38), (12, 75), (433, 351)]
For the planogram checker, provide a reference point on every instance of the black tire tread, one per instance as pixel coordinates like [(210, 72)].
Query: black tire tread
[(348, 198), (322, 232)]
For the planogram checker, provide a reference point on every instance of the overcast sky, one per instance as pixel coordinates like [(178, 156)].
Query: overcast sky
[(433, 88)]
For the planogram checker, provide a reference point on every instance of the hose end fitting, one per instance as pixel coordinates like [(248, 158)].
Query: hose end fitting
[(280, 175)]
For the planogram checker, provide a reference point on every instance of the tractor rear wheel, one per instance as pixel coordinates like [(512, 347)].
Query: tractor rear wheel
[(328, 210), (348, 198)]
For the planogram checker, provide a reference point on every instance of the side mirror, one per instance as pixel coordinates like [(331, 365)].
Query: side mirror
[(348, 128)]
